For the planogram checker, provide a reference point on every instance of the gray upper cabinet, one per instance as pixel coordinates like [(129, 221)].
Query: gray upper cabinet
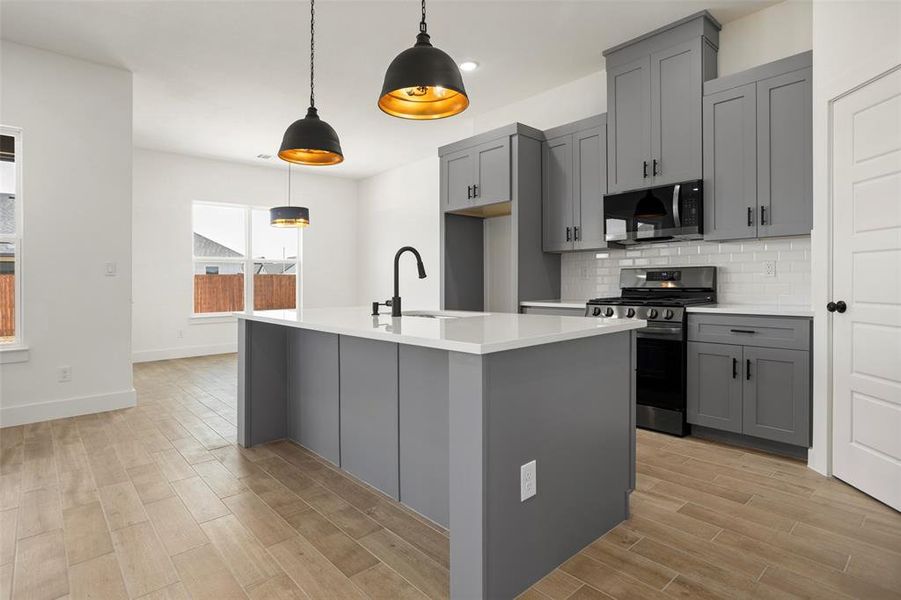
[(457, 176), (676, 80), (730, 164), (557, 197), (785, 154), (714, 386), (654, 91), (574, 182), (776, 393), (758, 172), (628, 125), (492, 176)]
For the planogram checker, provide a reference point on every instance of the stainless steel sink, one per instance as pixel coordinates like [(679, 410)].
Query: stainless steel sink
[(441, 314)]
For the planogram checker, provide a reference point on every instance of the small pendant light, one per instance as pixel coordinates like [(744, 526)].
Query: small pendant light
[(289, 216), (423, 82), (311, 141)]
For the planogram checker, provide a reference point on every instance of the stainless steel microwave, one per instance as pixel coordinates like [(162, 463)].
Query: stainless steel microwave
[(658, 214)]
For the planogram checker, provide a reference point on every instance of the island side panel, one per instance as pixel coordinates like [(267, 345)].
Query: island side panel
[(262, 379), (313, 392), (567, 406), (467, 476), (424, 431), (369, 412)]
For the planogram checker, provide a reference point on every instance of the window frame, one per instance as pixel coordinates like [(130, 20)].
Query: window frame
[(248, 261), (17, 239)]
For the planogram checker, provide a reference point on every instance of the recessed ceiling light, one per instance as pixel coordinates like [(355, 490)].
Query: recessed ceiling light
[(264, 156), (469, 65)]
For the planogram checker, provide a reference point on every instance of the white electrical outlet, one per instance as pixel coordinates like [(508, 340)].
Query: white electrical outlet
[(528, 486), (65, 374), (769, 268)]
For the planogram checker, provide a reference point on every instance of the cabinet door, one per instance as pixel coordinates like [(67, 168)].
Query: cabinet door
[(676, 87), (628, 126), (730, 164), (777, 395), (457, 177), (714, 386), (557, 194), (784, 154), (589, 187), (492, 172)]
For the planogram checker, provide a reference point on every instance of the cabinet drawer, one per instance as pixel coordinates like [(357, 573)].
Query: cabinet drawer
[(769, 332)]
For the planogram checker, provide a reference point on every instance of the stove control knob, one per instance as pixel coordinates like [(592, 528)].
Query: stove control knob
[(630, 312), (668, 314), (608, 312), (596, 311), (652, 314)]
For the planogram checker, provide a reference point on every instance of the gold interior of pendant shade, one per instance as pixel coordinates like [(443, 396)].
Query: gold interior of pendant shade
[(430, 102), (304, 156), (290, 223)]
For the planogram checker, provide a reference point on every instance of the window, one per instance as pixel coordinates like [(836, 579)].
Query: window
[(10, 237), (232, 241)]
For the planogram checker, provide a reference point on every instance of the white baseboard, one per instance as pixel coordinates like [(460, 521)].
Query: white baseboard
[(182, 352), (68, 407)]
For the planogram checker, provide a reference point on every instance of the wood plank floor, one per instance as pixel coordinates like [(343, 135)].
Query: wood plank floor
[(158, 502)]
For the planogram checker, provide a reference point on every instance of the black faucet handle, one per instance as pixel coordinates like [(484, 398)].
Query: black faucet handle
[(376, 305)]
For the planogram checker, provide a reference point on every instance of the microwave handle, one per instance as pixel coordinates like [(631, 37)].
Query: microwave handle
[(677, 221)]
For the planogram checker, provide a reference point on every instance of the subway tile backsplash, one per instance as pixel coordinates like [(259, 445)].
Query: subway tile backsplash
[(741, 269)]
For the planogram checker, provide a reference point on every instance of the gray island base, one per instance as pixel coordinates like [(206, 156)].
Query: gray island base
[(445, 431)]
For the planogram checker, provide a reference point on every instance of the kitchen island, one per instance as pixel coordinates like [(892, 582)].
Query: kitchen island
[(441, 410)]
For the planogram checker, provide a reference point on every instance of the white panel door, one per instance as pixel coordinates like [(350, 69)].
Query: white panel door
[(867, 277)]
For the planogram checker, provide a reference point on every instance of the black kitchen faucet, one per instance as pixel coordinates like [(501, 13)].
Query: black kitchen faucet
[(394, 302)]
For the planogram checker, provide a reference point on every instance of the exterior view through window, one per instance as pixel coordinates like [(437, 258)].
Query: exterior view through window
[(10, 239), (240, 260)]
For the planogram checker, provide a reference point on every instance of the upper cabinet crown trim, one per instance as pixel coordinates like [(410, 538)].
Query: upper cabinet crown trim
[(699, 24), (481, 138), (580, 125), (795, 62)]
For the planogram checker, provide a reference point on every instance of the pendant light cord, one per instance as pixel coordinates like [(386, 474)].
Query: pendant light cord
[(313, 46), (422, 25), (289, 184)]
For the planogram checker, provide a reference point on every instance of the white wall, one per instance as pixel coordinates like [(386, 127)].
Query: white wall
[(399, 208), (165, 185), (76, 119), (766, 35), (853, 42)]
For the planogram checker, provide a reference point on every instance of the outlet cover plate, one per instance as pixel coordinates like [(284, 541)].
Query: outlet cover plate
[(769, 268), (528, 484)]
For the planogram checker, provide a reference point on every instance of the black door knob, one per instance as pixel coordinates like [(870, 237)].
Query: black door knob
[(838, 307)]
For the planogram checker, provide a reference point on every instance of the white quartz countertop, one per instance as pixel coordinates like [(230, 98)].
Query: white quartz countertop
[(469, 332), (754, 309), (555, 303)]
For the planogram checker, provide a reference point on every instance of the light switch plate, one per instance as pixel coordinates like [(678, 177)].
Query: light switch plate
[(64, 374), (528, 485), (110, 269)]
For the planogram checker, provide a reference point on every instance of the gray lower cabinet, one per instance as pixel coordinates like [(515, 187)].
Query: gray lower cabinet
[(574, 181), (758, 169), (776, 393), (714, 386), (312, 389), (750, 375), (369, 412)]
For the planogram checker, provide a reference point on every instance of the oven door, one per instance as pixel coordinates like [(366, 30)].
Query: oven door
[(660, 368)]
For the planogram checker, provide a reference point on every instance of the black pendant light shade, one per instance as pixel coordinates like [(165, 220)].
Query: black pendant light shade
[(289, 216), (649, 206), (423, 82), (311, 141)]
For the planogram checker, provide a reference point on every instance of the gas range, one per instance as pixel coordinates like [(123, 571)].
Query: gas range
[(660, 297)]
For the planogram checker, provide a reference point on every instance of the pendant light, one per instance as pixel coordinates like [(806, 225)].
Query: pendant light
[(423, 82), (289, 216), (311, 141)]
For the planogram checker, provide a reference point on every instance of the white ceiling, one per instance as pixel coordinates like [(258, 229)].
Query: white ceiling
[(224, 79)]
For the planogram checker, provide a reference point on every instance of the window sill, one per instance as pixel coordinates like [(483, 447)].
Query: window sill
[(211, 318), (13, 354)]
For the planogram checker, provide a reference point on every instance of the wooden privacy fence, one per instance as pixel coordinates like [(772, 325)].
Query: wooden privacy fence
[(7, 305), (225, 293)]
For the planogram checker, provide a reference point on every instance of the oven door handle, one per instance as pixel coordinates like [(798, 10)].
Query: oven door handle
[(666, 333)]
